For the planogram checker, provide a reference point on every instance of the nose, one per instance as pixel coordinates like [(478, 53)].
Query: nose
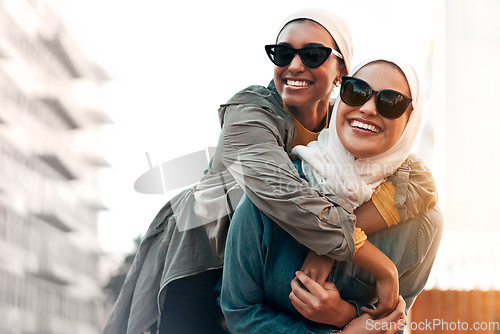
[(369, 108), (296, 65)]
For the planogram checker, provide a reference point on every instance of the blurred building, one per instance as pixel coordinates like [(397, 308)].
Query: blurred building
[(49, 120), (472, 140), (463, 69)]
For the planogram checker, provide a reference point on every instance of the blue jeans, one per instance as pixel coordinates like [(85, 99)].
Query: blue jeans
[(261, 260)]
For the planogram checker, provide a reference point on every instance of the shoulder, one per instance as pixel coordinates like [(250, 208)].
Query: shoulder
[(416, 172), (257, 99), (427, 229), (414, 162), (434, 219), (429, 233), (256, 94)]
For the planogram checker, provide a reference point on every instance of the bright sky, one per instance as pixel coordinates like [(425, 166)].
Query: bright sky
[(174, 62)]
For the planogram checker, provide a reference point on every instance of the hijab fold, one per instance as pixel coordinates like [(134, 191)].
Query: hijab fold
[(330, 168)]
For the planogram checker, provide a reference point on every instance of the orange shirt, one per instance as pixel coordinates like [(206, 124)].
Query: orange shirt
[(304, 136)]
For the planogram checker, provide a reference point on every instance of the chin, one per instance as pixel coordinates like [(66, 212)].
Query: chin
[(292, 102), (362, 154)]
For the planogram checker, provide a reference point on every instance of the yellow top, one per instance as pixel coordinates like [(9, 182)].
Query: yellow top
[(359, 238), (384, 198), (304, 136)]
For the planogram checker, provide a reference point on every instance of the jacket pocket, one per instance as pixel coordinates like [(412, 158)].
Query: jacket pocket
[(363, 291)]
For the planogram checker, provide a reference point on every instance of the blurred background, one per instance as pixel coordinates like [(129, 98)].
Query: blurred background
[(94, 93)]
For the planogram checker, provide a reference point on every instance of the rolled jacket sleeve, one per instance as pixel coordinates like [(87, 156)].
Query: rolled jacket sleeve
[(415, 188), (253, 147)]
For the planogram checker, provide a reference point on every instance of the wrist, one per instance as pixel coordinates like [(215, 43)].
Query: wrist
[(348, 312)]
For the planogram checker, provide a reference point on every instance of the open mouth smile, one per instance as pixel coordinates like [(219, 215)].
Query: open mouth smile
[(364, 126), (297, 83)]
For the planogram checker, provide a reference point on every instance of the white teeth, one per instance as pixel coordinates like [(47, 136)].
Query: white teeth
[(369, 127), (296, 83)]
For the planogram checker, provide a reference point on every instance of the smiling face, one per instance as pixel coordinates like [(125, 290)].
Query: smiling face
[(362, 131), (299, 85)]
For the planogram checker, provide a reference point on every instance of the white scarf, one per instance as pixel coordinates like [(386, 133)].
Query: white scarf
[(330, 168)]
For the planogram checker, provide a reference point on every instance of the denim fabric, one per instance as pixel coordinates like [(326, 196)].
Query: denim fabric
[(261, 259)]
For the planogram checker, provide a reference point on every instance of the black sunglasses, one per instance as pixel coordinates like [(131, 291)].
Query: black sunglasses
[(390, 104), (312, 56)]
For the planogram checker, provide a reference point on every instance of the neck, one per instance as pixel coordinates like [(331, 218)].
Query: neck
[(311, 117)]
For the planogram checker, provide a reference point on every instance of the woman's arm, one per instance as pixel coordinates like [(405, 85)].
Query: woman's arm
[(377, 263), (415, 193), (368, 218), (322, 303), (412, 192), (366, 324), (413, 247), (252, 148)]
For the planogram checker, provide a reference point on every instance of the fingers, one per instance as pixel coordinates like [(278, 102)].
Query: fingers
[(396, 317), (330, 287), (297, 302), (373, 312), (388, 300), (299, 292), (310, 284), (305, 293), (317, 267), (398, 313), (318, 276), (313, 274), (392, 323), (378, 312)]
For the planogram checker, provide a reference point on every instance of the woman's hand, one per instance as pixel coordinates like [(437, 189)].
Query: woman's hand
[(317, 267), (372, 259), (318, 303), (387, 292), (366, 324)]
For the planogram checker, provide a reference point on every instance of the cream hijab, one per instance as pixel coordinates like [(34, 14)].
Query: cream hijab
[(330, 168), (334, 24)]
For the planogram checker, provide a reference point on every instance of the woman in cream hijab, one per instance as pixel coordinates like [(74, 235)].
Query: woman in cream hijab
[(351, 160), (375, 123)]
